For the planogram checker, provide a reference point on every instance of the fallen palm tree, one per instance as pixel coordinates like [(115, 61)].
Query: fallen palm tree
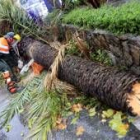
[(118, 89)]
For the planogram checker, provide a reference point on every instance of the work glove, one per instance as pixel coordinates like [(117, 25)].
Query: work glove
[(26, 67), (20, 64)]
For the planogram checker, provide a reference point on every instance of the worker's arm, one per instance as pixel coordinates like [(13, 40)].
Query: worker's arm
[(16, 56)]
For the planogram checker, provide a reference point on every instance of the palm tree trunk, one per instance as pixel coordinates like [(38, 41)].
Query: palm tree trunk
[(118, 89)]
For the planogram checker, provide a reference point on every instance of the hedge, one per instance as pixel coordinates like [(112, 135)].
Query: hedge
[(122, 19)]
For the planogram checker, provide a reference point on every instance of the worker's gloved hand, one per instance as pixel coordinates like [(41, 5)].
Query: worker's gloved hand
[(26, 67), (20, 64)]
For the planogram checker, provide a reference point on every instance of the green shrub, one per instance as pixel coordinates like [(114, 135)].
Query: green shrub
[(73, 50), (122, 19), (101, 56)]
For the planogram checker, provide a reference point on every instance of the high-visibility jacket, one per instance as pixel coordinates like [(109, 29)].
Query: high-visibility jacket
[(4, 47)]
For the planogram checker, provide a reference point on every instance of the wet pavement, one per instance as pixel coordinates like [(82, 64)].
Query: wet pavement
[(18, 131), (94, 128)]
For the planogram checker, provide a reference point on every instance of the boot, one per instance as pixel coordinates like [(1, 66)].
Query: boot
[(10, 84), (12, 89)]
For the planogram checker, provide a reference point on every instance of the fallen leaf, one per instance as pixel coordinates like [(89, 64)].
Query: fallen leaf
[(107, 114), (103, 116), (77, 107), (61, 126), (92, 112), (118, 115), (123, 130), (117, 125), (8, 128), (59, 120), (74, 120), (125, 126), (80, 130)]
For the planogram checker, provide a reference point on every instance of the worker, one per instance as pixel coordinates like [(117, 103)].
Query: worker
[(8, 60)]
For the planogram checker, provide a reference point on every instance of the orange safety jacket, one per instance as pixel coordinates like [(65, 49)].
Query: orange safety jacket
[(4, 47)]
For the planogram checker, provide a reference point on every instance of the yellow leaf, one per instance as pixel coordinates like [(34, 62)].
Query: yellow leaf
[(123, 130), (8, 128), (77, 107), (59, 120), (80, 130), (117, 125), (124, 126), (92, 112), (103, 116), (109, 113), (118, 116), (61, 126)]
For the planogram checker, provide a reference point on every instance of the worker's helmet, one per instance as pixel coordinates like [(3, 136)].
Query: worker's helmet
[(17, 37), (9, 35), (13, 35)]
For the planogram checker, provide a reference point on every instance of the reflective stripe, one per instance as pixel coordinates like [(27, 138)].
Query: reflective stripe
[(4, 49), (4, 52)]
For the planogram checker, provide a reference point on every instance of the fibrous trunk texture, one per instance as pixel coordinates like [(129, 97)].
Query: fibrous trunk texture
[(118, 89)]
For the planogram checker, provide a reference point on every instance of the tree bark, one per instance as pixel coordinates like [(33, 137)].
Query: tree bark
[(118, 89)]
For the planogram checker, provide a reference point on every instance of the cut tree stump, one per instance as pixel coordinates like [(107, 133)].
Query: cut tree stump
[(118, 89)]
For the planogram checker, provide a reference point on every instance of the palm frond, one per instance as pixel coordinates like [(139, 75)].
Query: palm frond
[(19, 100), (45, 112)]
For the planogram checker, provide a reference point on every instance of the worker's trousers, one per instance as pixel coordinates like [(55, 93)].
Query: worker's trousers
[(4, 66)]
